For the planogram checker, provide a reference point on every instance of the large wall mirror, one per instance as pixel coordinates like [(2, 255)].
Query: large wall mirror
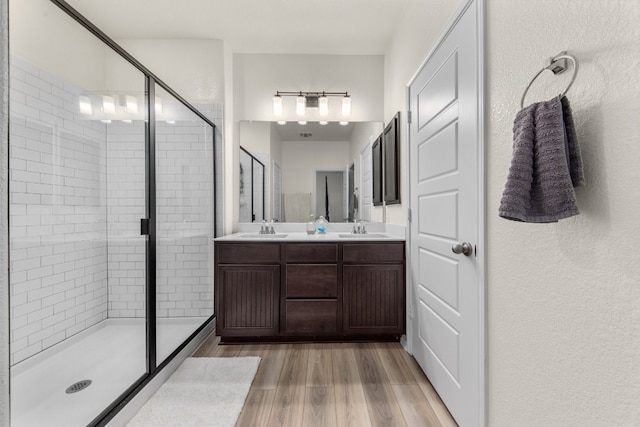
[(312, 169)]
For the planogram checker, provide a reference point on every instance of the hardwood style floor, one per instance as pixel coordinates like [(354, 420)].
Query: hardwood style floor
[(341, 384)]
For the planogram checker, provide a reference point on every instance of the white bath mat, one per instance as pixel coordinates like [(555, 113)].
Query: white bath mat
[(203, 391)]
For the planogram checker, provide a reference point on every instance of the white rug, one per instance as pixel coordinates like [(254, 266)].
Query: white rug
[(203, 391)]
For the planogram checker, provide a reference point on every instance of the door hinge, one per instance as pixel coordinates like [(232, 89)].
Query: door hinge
[(144, 226), (409, 116)]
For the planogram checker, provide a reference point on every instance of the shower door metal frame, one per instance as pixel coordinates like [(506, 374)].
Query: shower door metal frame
[(253, 210), (151, 80)]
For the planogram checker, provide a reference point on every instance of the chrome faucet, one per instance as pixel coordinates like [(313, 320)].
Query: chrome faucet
[(360, 228), (264, 229)]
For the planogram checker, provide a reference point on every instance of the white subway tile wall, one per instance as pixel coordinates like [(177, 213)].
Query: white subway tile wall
[(77, 193), (58, 210)]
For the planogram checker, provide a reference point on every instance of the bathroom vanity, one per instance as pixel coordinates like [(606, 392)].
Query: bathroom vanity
[(298, 287)]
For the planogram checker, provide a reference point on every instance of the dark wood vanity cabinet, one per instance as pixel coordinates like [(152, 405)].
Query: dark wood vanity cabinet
[(247, 289), (373, 288), (310, 305), (298, 290)]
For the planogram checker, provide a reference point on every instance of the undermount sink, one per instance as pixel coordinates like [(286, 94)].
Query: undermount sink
[(364, 236), (263, 236)]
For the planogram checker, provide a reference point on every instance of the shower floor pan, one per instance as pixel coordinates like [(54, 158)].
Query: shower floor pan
[(110, 354)]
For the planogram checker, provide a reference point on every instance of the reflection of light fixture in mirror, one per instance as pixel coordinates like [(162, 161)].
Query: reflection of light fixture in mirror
[(344, 123), (323, 105), (85, 104), (132, 104), (302, 122), (282, 122), (301, 104), (158, 105), (277, 105), (346, 106), (324, 122), (106, 121), (108, 104), (126, 121), (171, 122)]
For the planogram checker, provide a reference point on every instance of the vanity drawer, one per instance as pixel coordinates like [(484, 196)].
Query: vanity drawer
[(373, 252), (312, 281), (311, 317), (312, 252), (242, 253)]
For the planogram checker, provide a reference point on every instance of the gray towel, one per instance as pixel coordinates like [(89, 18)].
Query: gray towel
[(546, 164)]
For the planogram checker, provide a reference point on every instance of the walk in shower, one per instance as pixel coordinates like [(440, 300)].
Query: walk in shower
[(112, 213)]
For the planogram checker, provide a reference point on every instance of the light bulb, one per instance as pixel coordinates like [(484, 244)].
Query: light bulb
[(324, 122), (277, 106), (323, 105), (346, 106), (301, 105), (302, 122), (108, 104), (132, 104), (85, 104)]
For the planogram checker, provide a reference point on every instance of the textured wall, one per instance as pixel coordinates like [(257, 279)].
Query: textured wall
[(564, 299)]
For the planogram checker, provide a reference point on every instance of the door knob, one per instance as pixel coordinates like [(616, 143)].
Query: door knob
[(464, 248)]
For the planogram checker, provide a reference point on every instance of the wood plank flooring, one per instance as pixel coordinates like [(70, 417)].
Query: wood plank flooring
[(341, 384)]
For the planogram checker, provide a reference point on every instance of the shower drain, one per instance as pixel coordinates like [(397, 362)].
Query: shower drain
[(79, 386)]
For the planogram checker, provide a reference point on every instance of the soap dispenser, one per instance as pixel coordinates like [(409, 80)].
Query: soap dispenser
[(311, 225), (321, 225)]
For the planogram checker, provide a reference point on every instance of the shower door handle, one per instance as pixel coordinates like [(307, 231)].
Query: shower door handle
[(144, 226)]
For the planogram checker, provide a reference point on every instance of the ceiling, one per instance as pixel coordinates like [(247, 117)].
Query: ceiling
[(255, 26)]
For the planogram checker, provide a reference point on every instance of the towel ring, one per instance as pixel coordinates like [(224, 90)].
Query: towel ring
[(557, 65)]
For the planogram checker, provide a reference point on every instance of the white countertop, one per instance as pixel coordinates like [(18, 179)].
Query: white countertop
[(373, 236)]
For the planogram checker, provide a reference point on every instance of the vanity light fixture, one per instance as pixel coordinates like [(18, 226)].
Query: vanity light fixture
[(305, 100), (282, 122), (344, 123), (323, 122), (302, 122), (108, 104), (85, 104)]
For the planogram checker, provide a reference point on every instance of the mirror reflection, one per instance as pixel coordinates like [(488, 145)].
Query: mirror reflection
[(309, 170)]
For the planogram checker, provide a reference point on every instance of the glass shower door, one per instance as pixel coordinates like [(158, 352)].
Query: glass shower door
[(185, 212), (77, 193)]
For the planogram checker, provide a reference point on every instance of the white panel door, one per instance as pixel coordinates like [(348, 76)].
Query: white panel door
[(444, 138)]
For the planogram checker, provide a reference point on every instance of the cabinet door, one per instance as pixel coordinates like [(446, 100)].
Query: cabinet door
[(248, 300), (374, 299)]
